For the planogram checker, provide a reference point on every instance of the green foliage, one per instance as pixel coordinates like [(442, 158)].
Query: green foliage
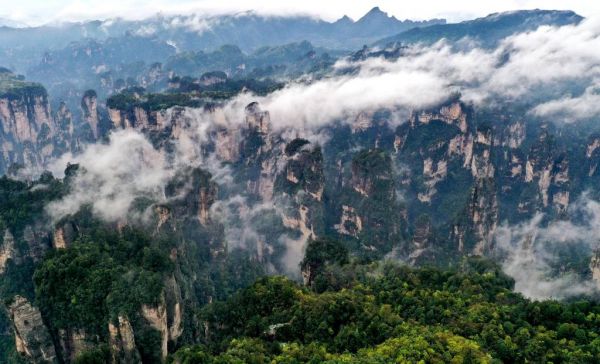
[(319, 254), (127, 101), (21, 204), (101, 275), (15, 88), (397, 314), (99, 355)]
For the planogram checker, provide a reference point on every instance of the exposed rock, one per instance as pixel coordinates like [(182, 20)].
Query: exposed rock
[(122, 342), (514, 136), (350, 222), (422, 238), (63, 236), (362, 122), (27, 128), (164, 214), (595, 267), (483, 213), (73, 342), (7, 249), (116, 118), (451, 114), (31, 335), (561, 201), (192, 192), (369, 169), (301, 223), (89, 106), (157, 318), (481, 166), (592, 146), (433, 173), (227, 145), (258, 120)]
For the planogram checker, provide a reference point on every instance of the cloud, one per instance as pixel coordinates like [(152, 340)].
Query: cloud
[(40, 11), (112, 176), (531, 251), (258, 228), (541, 67), (525, 67), (569, 109)]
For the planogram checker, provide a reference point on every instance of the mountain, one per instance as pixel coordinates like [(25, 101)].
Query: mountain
[(431, 191), (488, 30), (241, 189), (193, 32)]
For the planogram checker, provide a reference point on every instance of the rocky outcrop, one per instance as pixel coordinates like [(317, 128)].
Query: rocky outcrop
[(27, 127), (193, 193), (453, 114), (433, 173), (371, 170), (483, 214), (595, 267), (422, 238), (257, 119), (350, 222), (157, 318), (63, 235), (31, 335), (227, 144), (7, 250), (89, 108), (167, 316), (122, 342), (73, 342)]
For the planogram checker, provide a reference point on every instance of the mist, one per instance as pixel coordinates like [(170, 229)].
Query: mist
[(530, 251)]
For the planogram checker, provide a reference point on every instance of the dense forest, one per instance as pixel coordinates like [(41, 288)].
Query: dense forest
[(389, 313)]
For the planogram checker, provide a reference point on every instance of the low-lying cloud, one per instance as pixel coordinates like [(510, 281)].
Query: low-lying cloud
[(112, 176), (531, 251), (541, 67)]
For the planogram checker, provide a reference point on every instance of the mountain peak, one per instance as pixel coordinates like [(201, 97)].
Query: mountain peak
[(344, 20), (374, 14), (376, 10)]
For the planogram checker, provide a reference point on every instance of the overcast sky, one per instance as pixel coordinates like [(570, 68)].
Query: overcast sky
[(35, 12)]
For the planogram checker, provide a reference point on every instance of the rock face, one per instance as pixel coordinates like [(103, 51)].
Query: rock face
[(7, 250), (89, 107), (193, 193), (430, 190), (167, 316), (30, 134), (122, 342), (27, 127), (31, 335), (73, 342)]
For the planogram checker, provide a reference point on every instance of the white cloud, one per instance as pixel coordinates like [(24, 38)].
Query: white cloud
[(112, 176), (530, 251), (539, 65), (41, 11), (568, 109)]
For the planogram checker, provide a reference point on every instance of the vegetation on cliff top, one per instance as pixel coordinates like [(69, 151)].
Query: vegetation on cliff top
[(389, 313), (14, 87)]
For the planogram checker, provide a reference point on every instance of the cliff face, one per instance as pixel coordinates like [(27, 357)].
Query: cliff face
[(30, 133), (27, 127), (89, 108), (430, 190), (465, 170), (31, 335)]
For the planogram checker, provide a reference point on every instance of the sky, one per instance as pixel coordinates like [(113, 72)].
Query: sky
[(36, 12)]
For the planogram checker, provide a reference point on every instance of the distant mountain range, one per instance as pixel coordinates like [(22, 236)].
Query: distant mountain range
[(487, 30), (249, 31)]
